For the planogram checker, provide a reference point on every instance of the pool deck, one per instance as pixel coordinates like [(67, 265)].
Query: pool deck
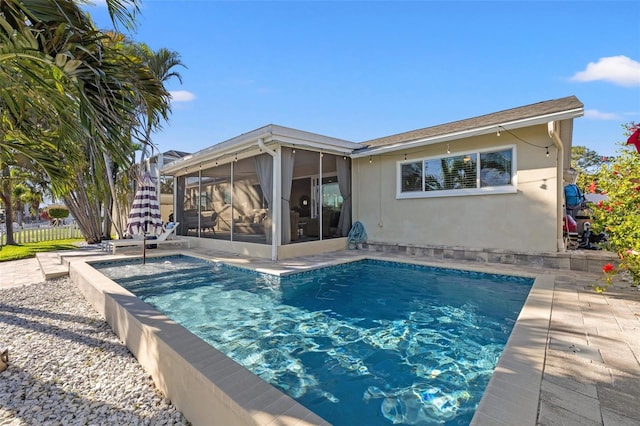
[(590, 368)]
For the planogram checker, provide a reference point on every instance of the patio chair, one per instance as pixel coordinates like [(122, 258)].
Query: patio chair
[(166, 237)]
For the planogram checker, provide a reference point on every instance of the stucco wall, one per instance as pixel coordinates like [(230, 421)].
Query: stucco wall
[(523, 221)]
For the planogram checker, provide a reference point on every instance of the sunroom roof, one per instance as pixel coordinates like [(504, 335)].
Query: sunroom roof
[(270, 134)]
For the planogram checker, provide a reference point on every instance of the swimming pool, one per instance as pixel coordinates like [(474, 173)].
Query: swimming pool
[(369, 342)]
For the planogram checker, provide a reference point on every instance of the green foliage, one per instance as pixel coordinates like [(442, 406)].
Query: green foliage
[(75, 101), (24, 251), (54, 212), (586, 160), (58, 212), (619, 215), (587, 163)]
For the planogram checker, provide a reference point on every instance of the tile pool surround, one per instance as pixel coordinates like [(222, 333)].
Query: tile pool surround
[(210, 388)]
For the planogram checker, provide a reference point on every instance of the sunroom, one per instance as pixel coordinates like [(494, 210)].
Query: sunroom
[(274, 192)]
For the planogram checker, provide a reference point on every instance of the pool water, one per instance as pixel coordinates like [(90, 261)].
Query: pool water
[(368, 342)]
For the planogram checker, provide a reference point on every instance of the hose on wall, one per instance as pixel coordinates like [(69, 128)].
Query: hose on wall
[(357, 235)]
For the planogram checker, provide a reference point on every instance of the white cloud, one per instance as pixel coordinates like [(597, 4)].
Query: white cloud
[(181, 96), (594, 114), (620, 70)]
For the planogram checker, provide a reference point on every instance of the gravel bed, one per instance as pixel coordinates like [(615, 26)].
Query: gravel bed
[(66, 366)]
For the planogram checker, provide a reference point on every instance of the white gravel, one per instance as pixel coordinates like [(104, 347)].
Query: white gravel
[(67, 367)]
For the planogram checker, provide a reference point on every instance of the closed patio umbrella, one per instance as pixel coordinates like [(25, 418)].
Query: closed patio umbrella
[(144, 218)]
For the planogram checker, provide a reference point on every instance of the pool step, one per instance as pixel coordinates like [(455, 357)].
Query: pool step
[(56, 264), (51, 265)]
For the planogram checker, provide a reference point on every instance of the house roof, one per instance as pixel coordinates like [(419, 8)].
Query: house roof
[(246, 143), (172, 153), (538, 113)]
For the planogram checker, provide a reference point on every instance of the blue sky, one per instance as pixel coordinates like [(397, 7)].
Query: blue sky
[(365, 69)]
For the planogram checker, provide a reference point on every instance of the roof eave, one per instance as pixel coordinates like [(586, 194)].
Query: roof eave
[(249, 141), (477, 131), (237, 144)]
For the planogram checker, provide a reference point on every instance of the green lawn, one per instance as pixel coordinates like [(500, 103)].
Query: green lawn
[(23, 251)]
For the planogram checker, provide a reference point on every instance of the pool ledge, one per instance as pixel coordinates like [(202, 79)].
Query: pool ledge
[(513, 393), (210, 388), (203, 383)]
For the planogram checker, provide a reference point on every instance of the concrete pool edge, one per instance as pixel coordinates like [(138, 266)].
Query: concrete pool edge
[(200, 381), (511, 397), (513, 393)]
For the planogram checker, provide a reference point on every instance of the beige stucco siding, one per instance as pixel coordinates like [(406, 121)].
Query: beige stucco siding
[(525, 220)]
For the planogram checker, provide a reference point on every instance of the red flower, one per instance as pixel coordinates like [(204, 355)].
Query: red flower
[(607, 268), (637, 188), (600, 204)]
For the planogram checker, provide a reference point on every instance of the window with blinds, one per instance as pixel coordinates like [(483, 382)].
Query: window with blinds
[(480, 172)]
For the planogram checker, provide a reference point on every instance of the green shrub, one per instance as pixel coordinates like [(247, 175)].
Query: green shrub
[(619, 215), (58, 212)]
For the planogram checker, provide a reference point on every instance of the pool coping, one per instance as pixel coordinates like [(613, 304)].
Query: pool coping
[(205, 384)]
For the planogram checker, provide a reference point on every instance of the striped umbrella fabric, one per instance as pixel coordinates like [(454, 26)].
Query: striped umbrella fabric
[(144, 217)]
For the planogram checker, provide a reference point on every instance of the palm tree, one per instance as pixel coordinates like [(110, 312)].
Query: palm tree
[(52, 88), (19, 193), (57, 88), (33, 199), (7, 202), (66, 93), (122, 180), (162, 64)]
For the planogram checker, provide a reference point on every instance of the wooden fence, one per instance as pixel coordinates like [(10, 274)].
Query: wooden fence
[(44, 233)]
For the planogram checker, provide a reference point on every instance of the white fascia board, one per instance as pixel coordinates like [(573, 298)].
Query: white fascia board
[(229, 147), (510, 125), (317, 146), (247, 143), (287, 134)]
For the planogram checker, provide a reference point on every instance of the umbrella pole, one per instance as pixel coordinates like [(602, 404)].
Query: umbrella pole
[(144, 249)]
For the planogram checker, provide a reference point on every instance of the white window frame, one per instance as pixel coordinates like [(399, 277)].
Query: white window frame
[(488, 190)]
